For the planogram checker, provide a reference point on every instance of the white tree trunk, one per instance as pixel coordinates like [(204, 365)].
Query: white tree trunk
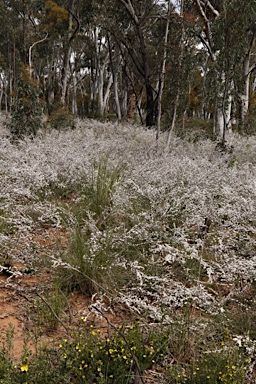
[(244, 97), (162, 76), (223, 112), (117, 59), (107, 93)]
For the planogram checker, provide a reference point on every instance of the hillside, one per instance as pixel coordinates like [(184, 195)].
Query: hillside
[(101, 230)]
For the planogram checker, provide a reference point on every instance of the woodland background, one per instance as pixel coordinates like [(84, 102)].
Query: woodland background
[(128, 192), (149, 61)]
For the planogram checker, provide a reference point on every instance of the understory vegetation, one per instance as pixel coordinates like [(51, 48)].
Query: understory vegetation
[(165, 237)]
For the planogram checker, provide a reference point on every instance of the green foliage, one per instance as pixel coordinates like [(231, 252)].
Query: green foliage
[(96, 358), (250, 122), (50, 308), (56, 18), (61, 118), (87, 357), (96, 194), (112, 359), (26, 118), (89, 266), (195, 129), (217, 366)]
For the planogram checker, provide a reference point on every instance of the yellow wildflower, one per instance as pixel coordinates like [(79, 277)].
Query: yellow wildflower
[(24, 368)]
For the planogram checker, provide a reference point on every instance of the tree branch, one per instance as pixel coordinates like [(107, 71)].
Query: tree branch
[(207, 46), (210, 6)]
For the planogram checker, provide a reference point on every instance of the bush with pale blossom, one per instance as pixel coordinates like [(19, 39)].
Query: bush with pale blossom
[(179, 226)]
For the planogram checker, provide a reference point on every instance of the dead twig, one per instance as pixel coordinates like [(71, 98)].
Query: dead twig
[(54, 313)]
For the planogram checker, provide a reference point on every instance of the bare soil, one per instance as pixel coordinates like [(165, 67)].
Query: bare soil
[(19, 290)]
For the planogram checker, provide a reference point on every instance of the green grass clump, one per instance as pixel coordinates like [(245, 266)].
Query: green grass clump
[(90, 266), (96, 193)]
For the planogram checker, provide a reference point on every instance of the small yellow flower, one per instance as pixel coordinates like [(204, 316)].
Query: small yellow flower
[(24, 368), (60, 345), (93, 333)]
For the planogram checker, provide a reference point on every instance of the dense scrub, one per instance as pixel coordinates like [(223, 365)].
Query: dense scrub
[(167, 234)]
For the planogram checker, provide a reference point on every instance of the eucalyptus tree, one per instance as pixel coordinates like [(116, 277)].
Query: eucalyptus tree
[(132, 25), (226, 30), (11, 51)]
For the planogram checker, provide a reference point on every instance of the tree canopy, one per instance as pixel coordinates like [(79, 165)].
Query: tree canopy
[(105, 59)]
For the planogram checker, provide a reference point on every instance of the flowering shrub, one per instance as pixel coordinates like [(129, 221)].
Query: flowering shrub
[(159, 230), (112, 359)]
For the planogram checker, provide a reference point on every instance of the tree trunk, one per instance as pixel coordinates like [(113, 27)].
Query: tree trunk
[(107, 93), (74, 91), (67, 52), (145, 63), (162, 76), (131, 105), (247, 70), (114, 62), (171, 129)]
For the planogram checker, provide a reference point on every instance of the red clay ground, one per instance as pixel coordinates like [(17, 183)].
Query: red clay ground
[(18, 294)]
